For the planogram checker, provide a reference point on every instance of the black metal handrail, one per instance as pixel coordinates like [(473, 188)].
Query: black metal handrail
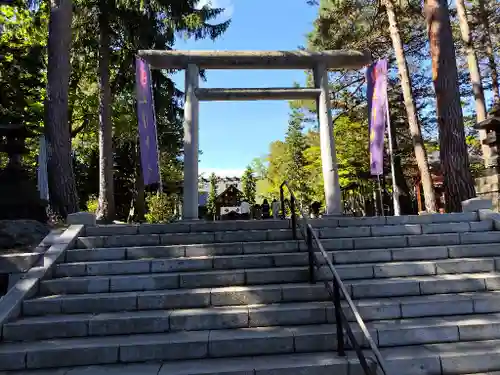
[(338, 291)]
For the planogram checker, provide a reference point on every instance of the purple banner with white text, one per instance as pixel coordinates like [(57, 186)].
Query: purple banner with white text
[(376, 78), (147, 123)]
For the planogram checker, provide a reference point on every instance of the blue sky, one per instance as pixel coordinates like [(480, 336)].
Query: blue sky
[(234, 133)]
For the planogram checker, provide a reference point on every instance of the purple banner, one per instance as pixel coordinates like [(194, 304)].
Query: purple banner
[(376, 77), (147, 123)]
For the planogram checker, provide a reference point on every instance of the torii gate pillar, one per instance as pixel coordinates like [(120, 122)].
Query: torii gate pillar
[(327, 143), (191, 144)]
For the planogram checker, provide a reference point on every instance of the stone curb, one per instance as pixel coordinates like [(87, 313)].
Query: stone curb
[(27, 286), (487, 214), (21, 262)]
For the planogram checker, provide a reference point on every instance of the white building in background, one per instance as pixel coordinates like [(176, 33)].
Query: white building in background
[(222, 184)]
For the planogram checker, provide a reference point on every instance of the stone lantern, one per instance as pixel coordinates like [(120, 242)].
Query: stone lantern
[(19, 197), (487, 186)]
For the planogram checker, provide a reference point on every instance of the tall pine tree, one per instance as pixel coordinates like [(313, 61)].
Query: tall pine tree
[(296, 144), (249, 185)]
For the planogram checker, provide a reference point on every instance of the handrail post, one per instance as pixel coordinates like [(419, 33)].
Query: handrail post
[(310, 249), (338, 318), (294, 219), (282, 200)]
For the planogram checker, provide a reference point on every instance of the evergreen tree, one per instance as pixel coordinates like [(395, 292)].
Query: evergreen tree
[(296, 144), (212, 195), (458, 181), (249, 185)]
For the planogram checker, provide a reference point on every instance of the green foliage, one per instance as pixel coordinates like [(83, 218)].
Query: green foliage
[(161, 208), (22, 72), (212, 196), (296, 145), (297, 159), (249, 185), (92, 204)]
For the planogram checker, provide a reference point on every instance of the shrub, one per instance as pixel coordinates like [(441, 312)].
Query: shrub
[(161, 208), (92, 204)]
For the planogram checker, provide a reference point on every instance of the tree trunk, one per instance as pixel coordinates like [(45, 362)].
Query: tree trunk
[(106, 210), (402, 186), (458, 182), (414, 125), (62, 186), (488, 46), (475, 75)]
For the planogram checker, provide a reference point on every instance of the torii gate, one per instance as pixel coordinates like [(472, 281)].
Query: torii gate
[(319, 62)]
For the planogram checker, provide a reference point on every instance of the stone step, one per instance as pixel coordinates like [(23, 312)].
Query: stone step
[(365, 287), (158, 321), (179, 227), (279, 260), (173, 251), (162, 347), (18, 262), (245, 225), (416, 253), (406, 229), (184, 238), (354, 240), (282, 248), (326, 363), (370, 309), (450, 358), (407, 331)]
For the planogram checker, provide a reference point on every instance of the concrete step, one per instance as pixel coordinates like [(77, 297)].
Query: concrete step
[(18, 262), (163, 347), (184, 238), (370, 309), (282, 249), (180, 227), (326, 363), (158, 321), (173, 251), (395, 332), (248, 225), (197, 263), (406, 229), (439, 282), (353, 239), (279, 260), (416, 253), (454, 357), (450, 358)]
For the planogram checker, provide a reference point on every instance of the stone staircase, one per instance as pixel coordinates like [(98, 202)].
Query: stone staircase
[(233, 298)]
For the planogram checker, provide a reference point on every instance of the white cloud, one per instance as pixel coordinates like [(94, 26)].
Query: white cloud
[(221, 172), (228, 6)]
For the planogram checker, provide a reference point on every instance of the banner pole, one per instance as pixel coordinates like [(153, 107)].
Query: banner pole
[(395, 188), (381, 197)]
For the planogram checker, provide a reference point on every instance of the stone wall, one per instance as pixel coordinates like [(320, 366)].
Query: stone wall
[(488, 187)]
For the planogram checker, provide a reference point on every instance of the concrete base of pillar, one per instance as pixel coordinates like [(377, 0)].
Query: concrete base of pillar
[(188, 221), (487, 187)]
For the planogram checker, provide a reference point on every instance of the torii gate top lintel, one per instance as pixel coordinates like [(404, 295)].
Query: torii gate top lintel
[(300, 59)]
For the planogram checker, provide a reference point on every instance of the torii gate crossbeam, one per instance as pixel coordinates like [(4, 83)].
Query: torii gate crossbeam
[(318, 62)]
